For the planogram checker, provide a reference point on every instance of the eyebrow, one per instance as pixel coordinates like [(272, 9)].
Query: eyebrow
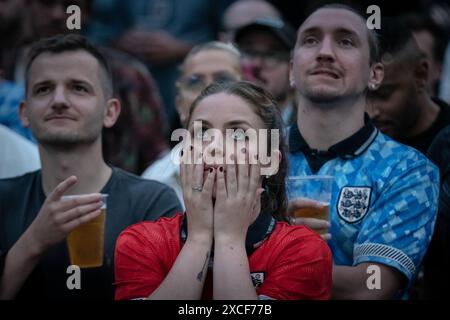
[(237, 122), (338, 31), (228, 124)]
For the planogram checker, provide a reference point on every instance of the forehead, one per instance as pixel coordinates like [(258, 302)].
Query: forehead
[(210, 61), (329, 20), (70, 64), (230, 108)]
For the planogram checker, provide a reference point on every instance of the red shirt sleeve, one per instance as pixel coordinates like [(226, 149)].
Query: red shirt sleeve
[(299, 265), (144, 255)]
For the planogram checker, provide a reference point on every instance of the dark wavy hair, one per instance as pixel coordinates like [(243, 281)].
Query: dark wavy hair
[(274, 199)]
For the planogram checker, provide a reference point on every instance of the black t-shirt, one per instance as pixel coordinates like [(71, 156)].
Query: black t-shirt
[(423, 141), (131, 200), (437, 260)]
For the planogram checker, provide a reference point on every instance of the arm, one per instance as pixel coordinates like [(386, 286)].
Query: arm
[(352, 283), (19, 263), (231, 270), (54, 222), (394, 235), (186, 278), (234, 212), (138, 272)]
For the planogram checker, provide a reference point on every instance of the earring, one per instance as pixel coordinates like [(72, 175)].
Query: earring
[(372, 86)]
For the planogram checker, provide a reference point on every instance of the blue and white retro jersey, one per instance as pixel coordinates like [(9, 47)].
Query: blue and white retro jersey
[(384, 204)]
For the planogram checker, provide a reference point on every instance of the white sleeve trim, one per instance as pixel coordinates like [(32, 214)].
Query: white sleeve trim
[(387, 252)]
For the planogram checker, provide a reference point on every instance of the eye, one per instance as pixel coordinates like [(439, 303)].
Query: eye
[(202, 134), (79, 88), (224, 77), (238, 135), (42, 90), (309, 41), (346, 42)]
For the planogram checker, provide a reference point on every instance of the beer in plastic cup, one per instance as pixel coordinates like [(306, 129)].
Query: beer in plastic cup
[(86, 242), (315, 187)]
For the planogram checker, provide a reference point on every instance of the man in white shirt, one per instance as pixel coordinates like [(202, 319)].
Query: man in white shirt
[(18, 155)]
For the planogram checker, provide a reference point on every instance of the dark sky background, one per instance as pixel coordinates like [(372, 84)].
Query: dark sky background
[(295, 10)]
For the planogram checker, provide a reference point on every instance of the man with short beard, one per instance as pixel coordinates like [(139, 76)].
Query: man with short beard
[(68, 103), (385, 195)]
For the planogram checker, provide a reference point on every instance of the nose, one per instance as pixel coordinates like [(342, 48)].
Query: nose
[(326, 50), (59, 100)]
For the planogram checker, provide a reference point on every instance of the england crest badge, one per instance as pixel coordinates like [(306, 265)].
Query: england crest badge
[(257, 278), (353, 203)]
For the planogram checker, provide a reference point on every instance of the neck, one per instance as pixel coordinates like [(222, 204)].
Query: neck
[(428, 113), (324, 124), (83, 161)]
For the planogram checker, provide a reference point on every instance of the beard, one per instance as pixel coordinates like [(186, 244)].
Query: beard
[(322, 95), (65, 139)]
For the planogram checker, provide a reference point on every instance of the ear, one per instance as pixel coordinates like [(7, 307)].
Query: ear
[(112, 112), (376, 76), (23, 114), (421, 73)]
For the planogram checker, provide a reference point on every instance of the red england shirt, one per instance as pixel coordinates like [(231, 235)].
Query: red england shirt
[(292, 263)]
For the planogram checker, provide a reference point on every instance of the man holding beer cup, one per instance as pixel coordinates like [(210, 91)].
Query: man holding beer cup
[(384, 195), (69, 99)]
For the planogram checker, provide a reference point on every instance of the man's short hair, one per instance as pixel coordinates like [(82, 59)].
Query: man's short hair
[(67, 43), (397, 41), (417, 23)]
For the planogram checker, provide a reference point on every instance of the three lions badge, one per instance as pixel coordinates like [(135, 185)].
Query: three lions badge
[(353, 203)]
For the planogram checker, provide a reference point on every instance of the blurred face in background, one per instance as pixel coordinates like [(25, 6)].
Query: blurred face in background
[(265, 62), (393, 107), (199, 71), (10, 14)]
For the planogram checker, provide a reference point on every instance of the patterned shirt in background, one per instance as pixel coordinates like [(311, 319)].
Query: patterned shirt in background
[(384, 203), (139, 136), (11, 95)]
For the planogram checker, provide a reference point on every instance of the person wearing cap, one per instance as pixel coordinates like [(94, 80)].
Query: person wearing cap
[(266, 45)]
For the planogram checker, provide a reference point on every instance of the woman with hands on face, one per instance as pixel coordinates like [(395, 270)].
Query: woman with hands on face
[(234, 241)]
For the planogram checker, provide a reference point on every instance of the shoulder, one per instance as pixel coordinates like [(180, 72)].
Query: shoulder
[(391, 154), (439, 151), (129, 180), (161, 168), (151, 232), (18, 183), (299, 240)]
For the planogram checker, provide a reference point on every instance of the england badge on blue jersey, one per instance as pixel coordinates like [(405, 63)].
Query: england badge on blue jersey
[(353, 203)]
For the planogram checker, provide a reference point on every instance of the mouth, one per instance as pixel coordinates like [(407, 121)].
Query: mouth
[(325, 72), (59, 117)]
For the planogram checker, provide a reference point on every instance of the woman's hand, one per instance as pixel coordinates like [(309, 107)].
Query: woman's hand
[(238, 199), (197, 193)]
